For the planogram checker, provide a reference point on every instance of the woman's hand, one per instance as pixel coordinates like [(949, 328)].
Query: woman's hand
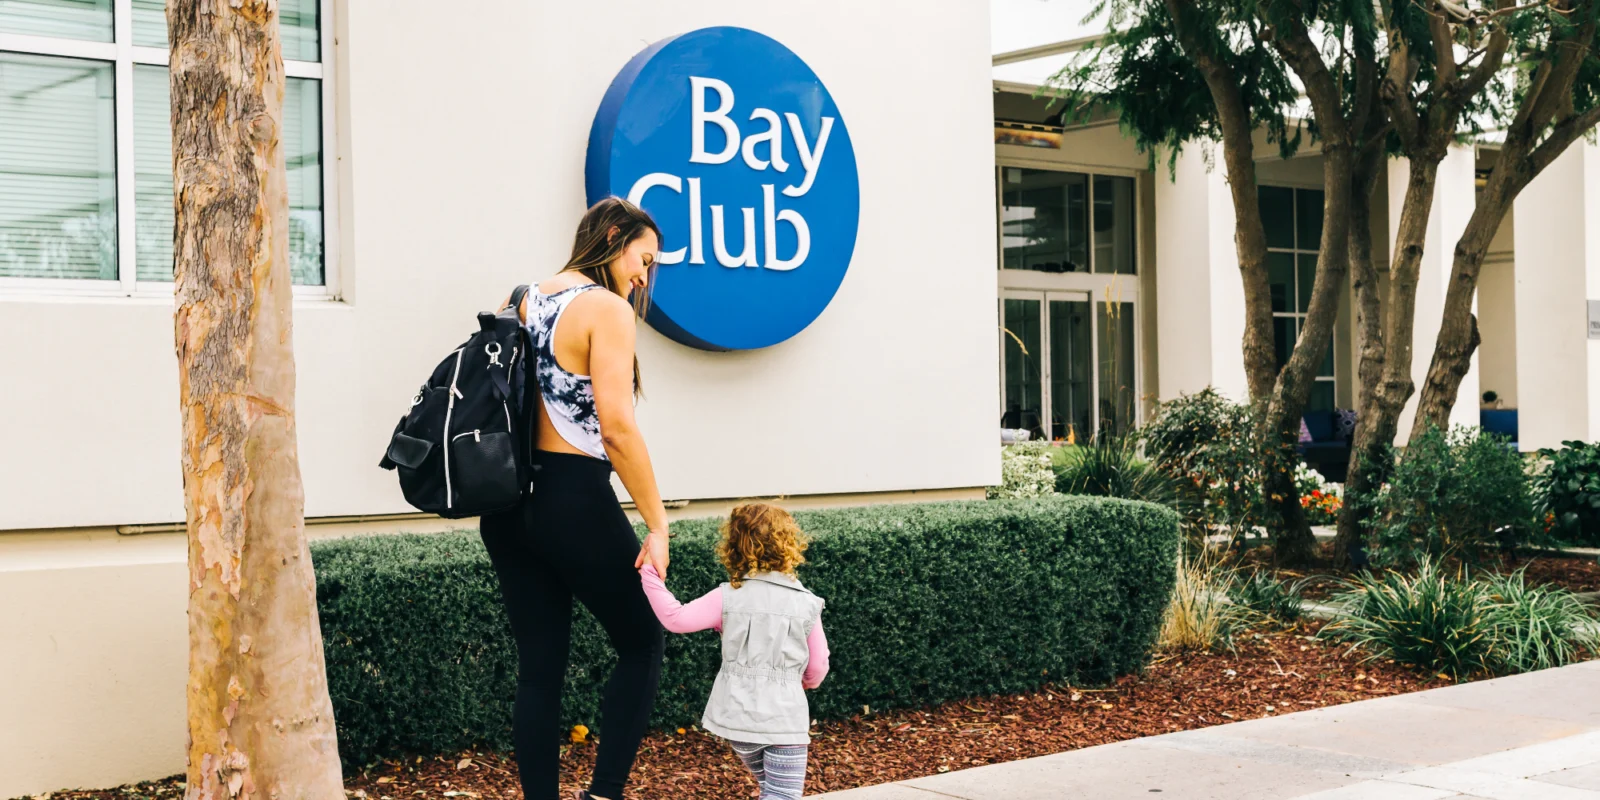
[(654, 552)]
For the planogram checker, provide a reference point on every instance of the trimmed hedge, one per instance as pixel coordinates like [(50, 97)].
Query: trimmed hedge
[(926, 603)]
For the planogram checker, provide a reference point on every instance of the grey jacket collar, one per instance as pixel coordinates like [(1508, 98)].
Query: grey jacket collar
[(778, 579)]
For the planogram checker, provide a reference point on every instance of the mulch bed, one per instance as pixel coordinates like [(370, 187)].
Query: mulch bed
[(1271, 672), (1574, 573)]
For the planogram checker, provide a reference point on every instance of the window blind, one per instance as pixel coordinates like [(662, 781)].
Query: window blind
[(57, 169), (298, 25), (63, 19), (301, 140)]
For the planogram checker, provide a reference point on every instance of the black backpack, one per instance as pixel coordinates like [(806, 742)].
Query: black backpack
[(463, 450)]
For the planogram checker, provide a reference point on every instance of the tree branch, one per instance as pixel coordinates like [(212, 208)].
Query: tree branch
[(1553, 83), (1367, 101), (1444, 47), (1238, 146), (1560, 138), (1293, 41), (1493, 58), (1396, 90)]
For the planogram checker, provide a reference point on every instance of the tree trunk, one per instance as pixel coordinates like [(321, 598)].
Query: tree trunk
[(1386, 367), (1544, 126), (1458, 331), (1250, 236), (260, 721), (1369, 320), (1294, 543)]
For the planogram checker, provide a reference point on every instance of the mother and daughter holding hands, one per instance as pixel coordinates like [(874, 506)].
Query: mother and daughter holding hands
[(571, 539)]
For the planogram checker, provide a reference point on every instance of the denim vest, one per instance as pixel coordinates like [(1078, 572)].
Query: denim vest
[(757, 697)]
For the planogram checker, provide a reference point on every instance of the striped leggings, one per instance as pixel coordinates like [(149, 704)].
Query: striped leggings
[(779, 768)]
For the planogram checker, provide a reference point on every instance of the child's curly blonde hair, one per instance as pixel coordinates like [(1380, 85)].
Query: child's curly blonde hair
[(758, 537)]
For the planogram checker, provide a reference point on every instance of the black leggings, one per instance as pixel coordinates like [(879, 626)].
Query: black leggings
[(571, 538)]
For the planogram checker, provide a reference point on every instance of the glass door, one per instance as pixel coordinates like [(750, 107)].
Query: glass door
[(1048, 343), (1022, 368)]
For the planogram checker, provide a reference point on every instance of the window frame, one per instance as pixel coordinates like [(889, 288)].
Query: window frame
[(1099, 287), (1294, 290), (123, 55)]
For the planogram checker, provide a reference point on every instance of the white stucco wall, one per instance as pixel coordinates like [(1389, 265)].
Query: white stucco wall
[(462, 150), (1557, 269), (1497, 321), (464, 137), (1200, 296)]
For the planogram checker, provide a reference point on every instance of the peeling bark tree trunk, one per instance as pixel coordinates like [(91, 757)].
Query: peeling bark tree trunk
[(260, 721)]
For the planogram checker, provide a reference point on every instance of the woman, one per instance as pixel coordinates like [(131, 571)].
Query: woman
[(570, 537)]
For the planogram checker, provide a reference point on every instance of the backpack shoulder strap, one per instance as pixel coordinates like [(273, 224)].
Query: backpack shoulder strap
[(517, 295)]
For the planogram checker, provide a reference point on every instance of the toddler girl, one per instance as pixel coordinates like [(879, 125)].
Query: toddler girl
[(772, 645)]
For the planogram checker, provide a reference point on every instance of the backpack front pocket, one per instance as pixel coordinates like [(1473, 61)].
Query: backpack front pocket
[(490, 459)]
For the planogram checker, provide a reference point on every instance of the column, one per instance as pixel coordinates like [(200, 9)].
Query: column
[(1199, 294), (1454, 196), (1557, 268)]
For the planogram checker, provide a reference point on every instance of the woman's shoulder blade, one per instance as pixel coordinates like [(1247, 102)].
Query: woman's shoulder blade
[(605, 306)]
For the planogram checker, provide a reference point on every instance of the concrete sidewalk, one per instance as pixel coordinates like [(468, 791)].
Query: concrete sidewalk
[(1527, 737)]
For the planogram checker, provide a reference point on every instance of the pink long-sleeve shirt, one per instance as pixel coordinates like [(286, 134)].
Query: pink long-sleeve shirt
[(705, 613)]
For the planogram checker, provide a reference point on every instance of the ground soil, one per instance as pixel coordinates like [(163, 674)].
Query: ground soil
[(1574, 573), (1270, 672)]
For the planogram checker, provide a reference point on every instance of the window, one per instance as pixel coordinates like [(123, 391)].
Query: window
[(1048, 359), (1069, 287), (86, 144), (1066, 222), (1116, 334), (1293, 222)]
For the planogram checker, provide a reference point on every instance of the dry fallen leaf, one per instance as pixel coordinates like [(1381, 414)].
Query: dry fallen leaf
[(464, 763)]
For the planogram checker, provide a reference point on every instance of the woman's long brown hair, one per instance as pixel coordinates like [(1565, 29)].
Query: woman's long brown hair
[(596, 246)]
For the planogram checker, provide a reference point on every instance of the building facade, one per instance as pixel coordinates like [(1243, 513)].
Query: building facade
[(1004, 272), (437, 158)]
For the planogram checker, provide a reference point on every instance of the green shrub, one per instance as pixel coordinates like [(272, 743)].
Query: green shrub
[(1192, 423), (926, 603), (1536, 627), (1266, 595), (1452, 495), (1206, 446), (1462, 628), (1566, 492), (1025, 472), (1425, 620), (1112, 467)]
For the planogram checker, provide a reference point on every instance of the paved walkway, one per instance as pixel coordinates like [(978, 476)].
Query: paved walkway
[(1528, 737)]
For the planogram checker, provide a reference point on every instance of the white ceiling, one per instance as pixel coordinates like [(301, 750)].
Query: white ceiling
[(1020, 24)]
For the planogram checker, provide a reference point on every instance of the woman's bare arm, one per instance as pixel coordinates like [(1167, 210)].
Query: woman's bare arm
[(611, 349)]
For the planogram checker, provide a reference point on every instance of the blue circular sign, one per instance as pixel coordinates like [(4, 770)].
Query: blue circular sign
[(736, 148)]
